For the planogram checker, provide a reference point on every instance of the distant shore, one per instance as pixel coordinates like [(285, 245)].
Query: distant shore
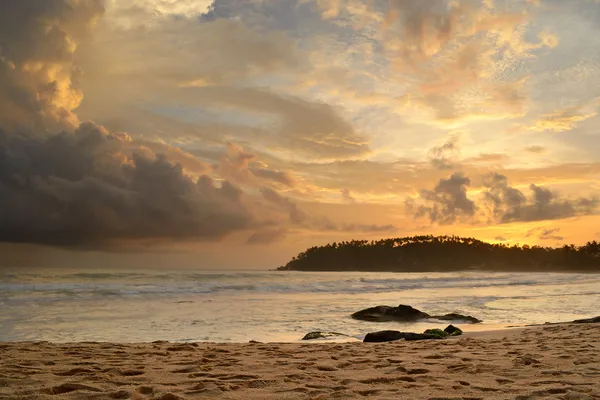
[(427, 253), (554, 361)]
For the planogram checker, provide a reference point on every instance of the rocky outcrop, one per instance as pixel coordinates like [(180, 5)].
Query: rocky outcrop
[(437, 332), (383, 336), (588, 320), (322, 335), (404, 313), (453, 331), (457, 318), (390, 336), (387, 313)]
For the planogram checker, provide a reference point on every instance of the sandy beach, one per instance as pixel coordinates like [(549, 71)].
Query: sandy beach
[(553, 361)]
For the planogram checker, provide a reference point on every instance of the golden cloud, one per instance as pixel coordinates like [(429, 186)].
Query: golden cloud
[(37, 66), (563, 120)]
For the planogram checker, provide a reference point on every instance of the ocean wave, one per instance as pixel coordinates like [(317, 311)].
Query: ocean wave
[(147, 284), (85, 290)]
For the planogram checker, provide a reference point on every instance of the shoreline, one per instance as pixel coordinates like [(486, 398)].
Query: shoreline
[(466, 328), (560, 361), (469, 330)]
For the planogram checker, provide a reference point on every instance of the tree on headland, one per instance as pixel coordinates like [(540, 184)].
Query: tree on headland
[(443, 253)]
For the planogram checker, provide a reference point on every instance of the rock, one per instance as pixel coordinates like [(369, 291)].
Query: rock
[(383, 336), (404, 313), (453, 331), (457, 317), (321, 335), (387, 313), (588, 320), (420, 336), (437, 332), (389, 336)]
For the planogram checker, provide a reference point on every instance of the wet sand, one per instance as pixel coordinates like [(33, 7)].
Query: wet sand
[(554, 362)]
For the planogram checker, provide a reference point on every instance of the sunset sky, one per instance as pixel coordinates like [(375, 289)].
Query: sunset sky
[(236, 133)]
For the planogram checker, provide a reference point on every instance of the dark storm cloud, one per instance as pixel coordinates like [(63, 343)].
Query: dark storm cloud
[(86, 189), (508, 204), (76, 185), (296, 215), (501, 196), (446, 203)]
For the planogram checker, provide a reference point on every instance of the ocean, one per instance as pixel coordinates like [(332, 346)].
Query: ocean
[(270, 306)]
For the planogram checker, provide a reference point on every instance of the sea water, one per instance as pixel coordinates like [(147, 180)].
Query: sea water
[(271, 306)]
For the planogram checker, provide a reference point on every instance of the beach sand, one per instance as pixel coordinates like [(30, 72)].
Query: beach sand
[(553, 361)]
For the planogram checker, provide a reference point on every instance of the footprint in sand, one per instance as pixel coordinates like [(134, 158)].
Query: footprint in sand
[(418, 371), (69, 387), (75, 371)]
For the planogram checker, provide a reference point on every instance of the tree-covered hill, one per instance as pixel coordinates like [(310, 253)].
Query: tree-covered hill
[(443, 253)]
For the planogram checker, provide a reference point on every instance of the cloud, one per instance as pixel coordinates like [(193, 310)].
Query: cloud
[(457, 53), (38, 77), (499, 202), (327, 224), (535, 149), (563, 120), (234, 165), (545, 234), (508, 204), (227, 85), (243, 167), (267, 236), (489, 158), (234, 54), (159, 8), (313, 129), (87, 189), (444, 156), (282, 177), (190, 163), (296, 215), (301, 219), (347, 196), (500, 196), (367, 228), (446, 203)]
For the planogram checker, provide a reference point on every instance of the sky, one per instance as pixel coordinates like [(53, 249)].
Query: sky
[(237, 133)]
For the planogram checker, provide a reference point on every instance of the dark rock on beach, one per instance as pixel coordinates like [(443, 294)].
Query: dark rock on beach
[(387, 313), (420, 336), (383, 336), (390, 336), (588, 320), (404, 313), (453, 331), (457, 317), (436, 332), (321, 335)]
